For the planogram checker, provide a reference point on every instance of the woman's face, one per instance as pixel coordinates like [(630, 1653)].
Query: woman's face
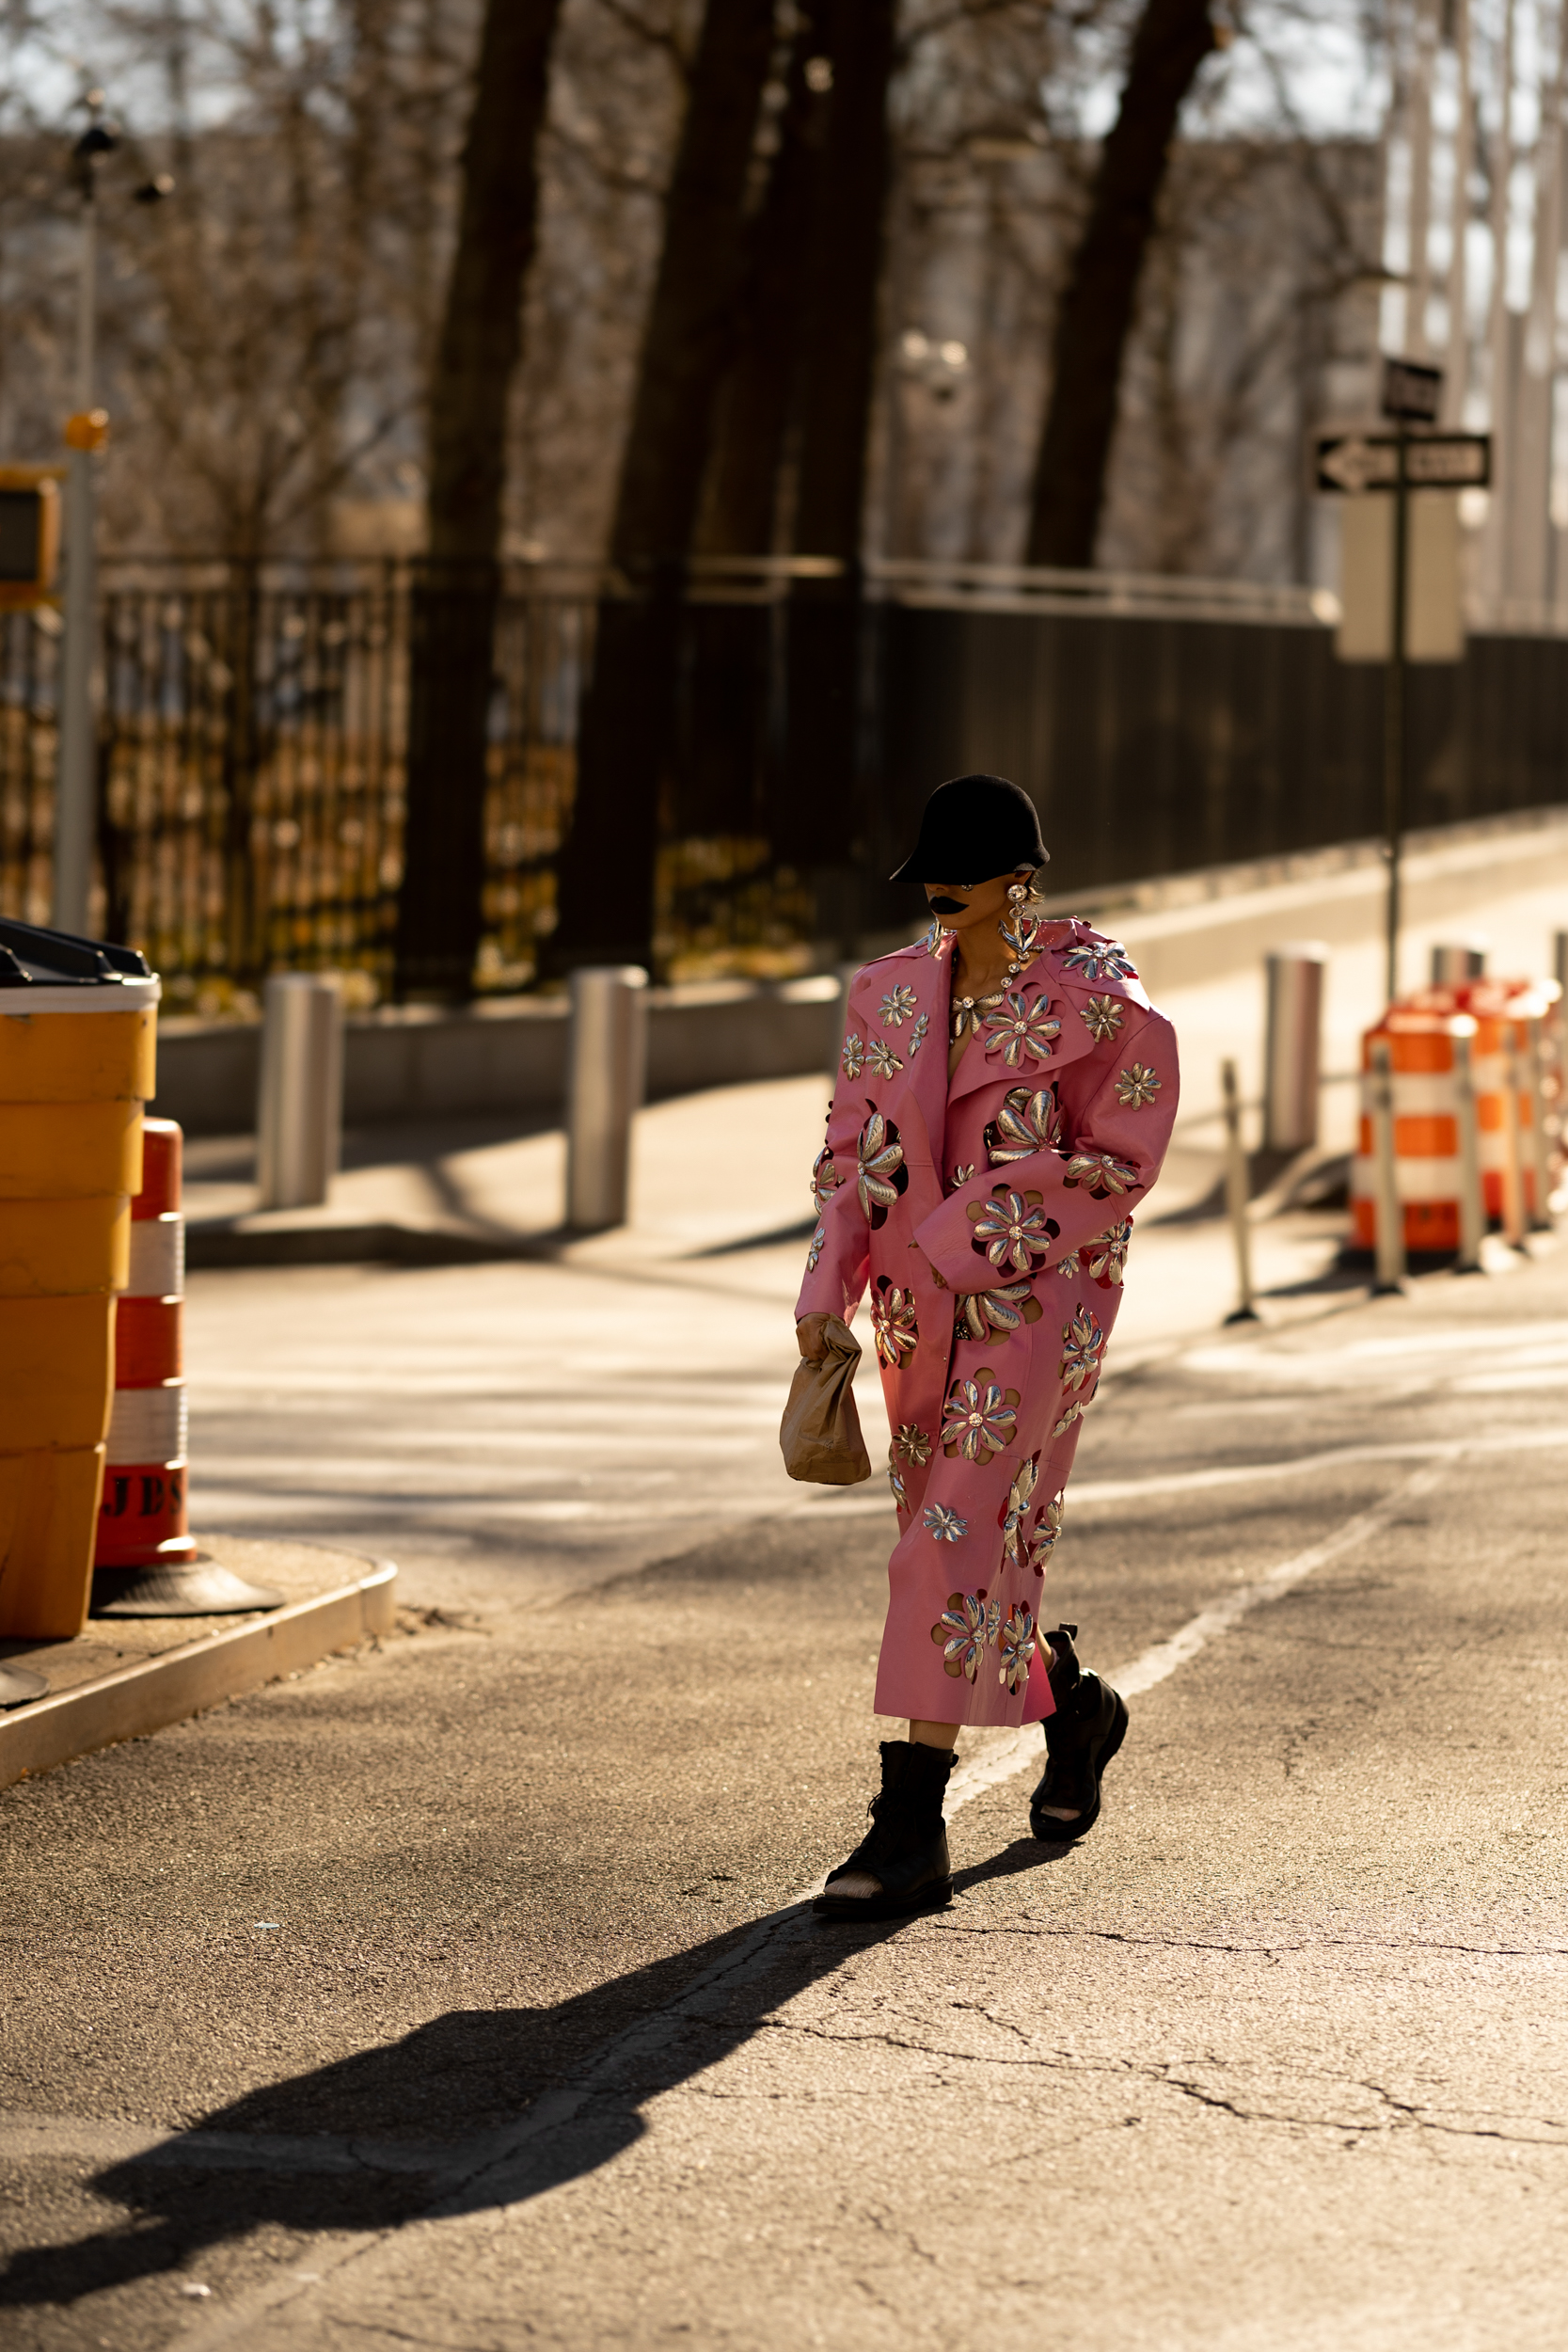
[(966, 906)]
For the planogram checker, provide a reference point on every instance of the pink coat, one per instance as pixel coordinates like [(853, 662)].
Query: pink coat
[(990, 1219)]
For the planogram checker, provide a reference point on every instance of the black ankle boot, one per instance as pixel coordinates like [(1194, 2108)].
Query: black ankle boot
[(905, 1848), (1081, 1738)]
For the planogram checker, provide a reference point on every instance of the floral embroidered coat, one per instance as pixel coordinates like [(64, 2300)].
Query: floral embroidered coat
[(990, 1217)]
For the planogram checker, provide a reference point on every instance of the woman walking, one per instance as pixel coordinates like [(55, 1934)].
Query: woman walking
[(1006, 1094)]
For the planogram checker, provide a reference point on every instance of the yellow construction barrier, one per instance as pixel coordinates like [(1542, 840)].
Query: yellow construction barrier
[(77, 1034)]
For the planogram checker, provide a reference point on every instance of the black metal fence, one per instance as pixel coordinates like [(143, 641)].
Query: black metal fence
[(251, 751)]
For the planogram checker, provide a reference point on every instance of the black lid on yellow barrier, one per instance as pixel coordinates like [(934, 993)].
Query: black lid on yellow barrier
[(32, 957)]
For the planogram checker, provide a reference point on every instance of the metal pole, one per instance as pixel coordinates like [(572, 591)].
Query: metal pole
[(1540, 1149), (1390, 1216), (1559, 960), (299, 1105), (1237, 1190), (1472, 1202), (606, 1075), (1294, 1046), (1393, 707), (74, 780), (1513, 1181)]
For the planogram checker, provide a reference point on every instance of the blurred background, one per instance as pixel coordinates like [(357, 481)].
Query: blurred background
[(579, 471)]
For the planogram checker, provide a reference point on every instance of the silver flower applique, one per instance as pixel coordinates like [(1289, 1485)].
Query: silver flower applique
[(1083, 1344), (896, 1006), (1107, 1256), (932, 941), (1136, 1085), (825, 1179), (1017, 1027), (980, 1417), (1015, 1646), (1016, 1508), (944, 1526), (960, 1632), (1012, 1232), (1102, 1017), (1043, 1541), (917, 1036), (880, 1059), (911, 1444), (892, 1323), (852, 1059), (1101, 959), (1069, 1416), (1026, 1123), (879, 1162), (1100, 1171), (815, 1250), (1067, 1265), (896, 1480), (983, 1314), (960, 1176)]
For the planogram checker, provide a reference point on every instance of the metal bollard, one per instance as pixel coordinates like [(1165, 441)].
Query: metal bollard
[(1540, 1143), (1514, 1158), (606, 1078), (1559, 960), (1472, 1201), (1237, 1189), (1390, 1216), (1293, 1051), (299, 1116), (1456, 960)]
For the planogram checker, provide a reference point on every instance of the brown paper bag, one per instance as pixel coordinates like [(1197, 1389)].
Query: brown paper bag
[(820, 1433)]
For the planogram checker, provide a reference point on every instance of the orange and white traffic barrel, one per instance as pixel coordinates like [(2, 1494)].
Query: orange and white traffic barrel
[(142, 1519), (1515, 1053), (148, 1564)]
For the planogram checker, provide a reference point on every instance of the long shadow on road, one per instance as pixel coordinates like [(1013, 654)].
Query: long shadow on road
[(333, 2150)]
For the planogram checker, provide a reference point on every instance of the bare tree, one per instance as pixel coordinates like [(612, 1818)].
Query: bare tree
[(440, 907), (1171, 40), (686, 341)]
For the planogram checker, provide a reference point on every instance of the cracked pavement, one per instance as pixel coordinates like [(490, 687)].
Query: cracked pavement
[(463, 1993)]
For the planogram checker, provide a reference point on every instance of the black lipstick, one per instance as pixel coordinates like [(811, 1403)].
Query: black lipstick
[(947, 906)]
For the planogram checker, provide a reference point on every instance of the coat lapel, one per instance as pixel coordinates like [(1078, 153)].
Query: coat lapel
[(1044, 1001)]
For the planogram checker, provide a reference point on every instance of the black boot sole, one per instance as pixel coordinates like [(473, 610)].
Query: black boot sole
[(934, 1896), (1054, 1833)]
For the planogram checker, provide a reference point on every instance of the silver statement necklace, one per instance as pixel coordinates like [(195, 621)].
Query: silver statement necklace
[(1023, 939)]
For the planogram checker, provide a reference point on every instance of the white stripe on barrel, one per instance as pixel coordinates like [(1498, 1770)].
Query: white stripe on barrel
[(149, 1424)]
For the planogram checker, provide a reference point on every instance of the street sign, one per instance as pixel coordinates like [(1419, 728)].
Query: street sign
[(1412, 394), (1358, 462)]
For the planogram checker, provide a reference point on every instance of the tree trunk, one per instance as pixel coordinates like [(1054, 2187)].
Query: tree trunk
[(625, 724), (813, 821), (1095, 318), (741, 507), (441, 910), (839, 360)]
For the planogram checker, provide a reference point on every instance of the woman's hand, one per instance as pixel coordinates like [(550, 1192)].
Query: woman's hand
[(810, 1335)]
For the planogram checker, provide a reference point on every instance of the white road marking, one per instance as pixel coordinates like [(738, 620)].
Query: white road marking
[(1016, 1750)]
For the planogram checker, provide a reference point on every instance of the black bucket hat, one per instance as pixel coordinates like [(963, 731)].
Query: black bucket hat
[(973, 827)]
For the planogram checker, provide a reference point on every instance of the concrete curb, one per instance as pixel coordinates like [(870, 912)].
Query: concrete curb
[(135, 1700)]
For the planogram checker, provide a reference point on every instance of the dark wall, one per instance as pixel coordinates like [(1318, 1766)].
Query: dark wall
[(1156, 746)]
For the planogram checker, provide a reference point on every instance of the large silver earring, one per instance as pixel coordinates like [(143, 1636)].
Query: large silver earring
[(1020, 938)]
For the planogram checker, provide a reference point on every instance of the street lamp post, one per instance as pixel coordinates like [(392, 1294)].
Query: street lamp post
[(75, 781)]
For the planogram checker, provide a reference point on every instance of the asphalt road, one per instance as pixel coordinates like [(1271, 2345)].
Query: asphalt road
[(462, 1993)]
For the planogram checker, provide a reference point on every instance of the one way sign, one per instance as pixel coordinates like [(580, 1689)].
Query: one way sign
[(1358, 462)]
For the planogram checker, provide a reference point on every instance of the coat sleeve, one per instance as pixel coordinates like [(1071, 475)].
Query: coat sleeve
[(1118, 1137), (839, 1260)]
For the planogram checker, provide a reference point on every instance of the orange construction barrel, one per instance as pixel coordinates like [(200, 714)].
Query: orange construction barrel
[(77, 1037)]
